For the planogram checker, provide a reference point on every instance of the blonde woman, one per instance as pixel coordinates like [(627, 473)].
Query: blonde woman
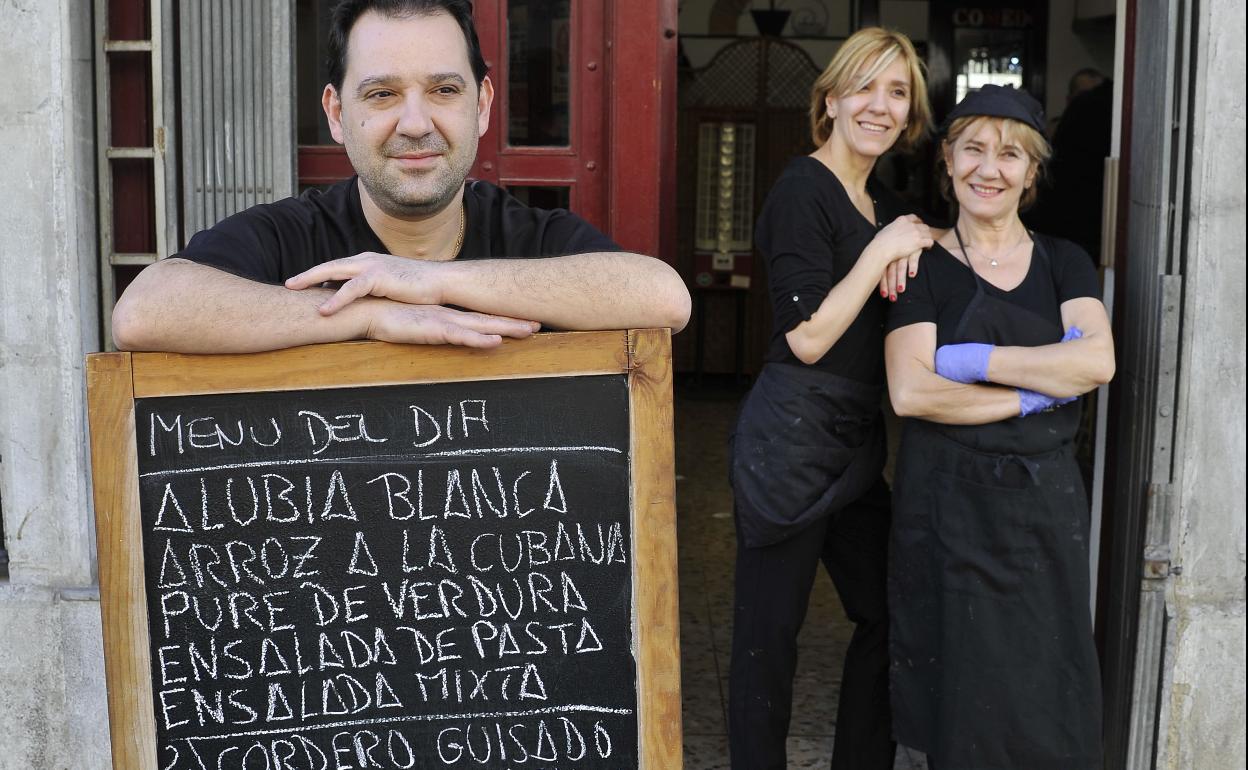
[(993, 663), (809, 443)]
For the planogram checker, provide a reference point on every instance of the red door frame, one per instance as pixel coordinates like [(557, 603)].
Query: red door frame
[(642, 118), (623, 91)]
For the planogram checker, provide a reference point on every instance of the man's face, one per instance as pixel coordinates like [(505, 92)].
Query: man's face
[(410, 112)]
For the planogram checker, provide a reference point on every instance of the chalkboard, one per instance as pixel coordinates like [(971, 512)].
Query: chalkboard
[(396, 562)]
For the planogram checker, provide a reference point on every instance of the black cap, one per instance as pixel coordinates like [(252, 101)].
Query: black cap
[(999, 102)]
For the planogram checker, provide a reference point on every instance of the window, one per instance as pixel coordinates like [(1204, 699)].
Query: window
[(725, 208), (538, 75), (986, 57)]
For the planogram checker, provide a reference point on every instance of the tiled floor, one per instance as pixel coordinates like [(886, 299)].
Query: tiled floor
[(707, 547)]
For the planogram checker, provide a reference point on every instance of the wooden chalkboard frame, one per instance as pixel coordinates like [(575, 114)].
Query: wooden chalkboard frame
[(115, 380)]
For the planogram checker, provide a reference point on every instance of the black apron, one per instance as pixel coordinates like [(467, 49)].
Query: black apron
[(807, 443), (992, 657)]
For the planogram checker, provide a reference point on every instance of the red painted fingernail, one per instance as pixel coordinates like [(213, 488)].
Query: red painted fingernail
[(893, 298), (900, 287), (883, 293), (912, 273)]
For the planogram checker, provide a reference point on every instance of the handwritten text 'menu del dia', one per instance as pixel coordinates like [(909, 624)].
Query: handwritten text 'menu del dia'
[(313, 431)]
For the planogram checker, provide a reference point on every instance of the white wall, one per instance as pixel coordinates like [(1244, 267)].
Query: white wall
[(1073, 47), (52, 711), (1203, 700)]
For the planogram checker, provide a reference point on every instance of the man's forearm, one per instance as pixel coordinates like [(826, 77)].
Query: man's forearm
[(182, 307), (179, 306), (608, 290)]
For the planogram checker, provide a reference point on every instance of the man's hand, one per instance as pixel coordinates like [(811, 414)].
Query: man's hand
[(578, 292), (436, 325), (412, 281)]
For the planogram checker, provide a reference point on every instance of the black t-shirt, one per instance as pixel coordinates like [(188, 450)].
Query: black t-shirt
[(944, 287), (274, 241), (810, 235)]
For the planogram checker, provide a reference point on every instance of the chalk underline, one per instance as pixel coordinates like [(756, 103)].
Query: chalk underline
[(390, 457), (414, 718)]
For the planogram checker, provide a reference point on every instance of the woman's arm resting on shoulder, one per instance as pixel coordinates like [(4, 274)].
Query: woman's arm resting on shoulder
[(1064, 369), (888, 257), (916, 390)]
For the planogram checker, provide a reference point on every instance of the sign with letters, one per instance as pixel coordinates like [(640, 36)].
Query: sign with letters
[(374, 556)]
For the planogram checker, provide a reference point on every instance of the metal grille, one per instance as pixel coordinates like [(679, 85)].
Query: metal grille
[(237, 107), (790, 75), (730, 80), (753, 74)]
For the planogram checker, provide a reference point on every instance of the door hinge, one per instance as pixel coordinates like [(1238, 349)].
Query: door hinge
[(1157, 564)]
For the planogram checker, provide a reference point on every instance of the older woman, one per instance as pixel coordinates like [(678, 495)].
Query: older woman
[(809, 445), (993, 664)]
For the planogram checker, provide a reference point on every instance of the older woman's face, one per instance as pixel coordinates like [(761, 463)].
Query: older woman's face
[(989, 174), (869, 120)]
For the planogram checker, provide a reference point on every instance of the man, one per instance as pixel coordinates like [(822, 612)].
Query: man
[(409, 240)]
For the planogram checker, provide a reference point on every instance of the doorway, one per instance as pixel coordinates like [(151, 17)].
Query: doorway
[(743, 114)]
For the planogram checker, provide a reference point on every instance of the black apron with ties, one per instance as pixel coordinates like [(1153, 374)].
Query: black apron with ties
[(992, 656), (807, 443)]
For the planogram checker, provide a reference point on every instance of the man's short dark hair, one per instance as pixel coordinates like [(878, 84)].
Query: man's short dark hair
[(347, 12)]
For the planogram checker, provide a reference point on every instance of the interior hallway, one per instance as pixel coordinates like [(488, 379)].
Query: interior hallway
[(707, 546)]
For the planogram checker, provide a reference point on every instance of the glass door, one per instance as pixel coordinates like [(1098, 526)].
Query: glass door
[(545, 142)]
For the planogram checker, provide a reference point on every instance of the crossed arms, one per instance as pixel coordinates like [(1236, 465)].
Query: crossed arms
[(179, 306), (1060, 370)]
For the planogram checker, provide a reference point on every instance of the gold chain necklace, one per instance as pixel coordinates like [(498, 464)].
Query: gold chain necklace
[(459, 240)]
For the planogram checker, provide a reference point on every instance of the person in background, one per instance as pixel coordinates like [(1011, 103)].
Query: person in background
[(1070, 202), (988, 350), (408, 250), (808, 447)]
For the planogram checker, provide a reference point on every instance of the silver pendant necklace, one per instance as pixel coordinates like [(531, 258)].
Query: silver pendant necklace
[(992, 261)]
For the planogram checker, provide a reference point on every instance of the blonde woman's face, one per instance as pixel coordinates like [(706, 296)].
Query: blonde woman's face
[(868, 121)]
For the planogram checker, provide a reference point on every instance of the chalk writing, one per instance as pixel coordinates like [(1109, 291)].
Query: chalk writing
[(408, 576)]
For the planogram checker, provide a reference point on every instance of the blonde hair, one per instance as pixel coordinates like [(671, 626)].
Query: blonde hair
[(1011, 131), (867, 53)]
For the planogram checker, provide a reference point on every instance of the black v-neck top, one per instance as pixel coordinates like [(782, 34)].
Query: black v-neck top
[(274, 241), (944, 287), (810, 235)]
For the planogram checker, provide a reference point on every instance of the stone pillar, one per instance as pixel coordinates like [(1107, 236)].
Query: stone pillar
[(53, 709), (1202, 704)]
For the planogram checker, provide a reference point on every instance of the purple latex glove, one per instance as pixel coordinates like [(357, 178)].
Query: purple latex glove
[(1031, 402), (965, 362)]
